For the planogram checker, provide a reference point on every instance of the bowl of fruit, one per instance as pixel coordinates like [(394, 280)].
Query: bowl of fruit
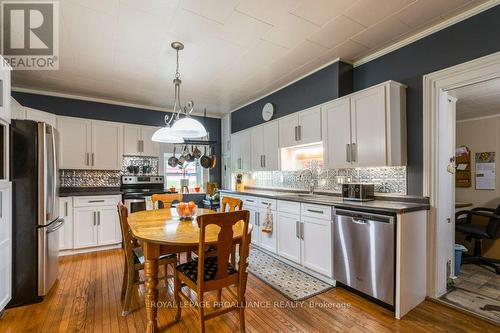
[(186, 210)]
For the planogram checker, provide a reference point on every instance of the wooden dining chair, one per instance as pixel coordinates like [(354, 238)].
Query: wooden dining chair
[(134, 261), (205, 274), (229, 204), (166, 199)]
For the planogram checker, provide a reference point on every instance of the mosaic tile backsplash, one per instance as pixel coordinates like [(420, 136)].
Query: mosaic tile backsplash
[(390, 180), (107, 178)]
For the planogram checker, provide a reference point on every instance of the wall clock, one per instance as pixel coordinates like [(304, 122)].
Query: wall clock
[(268, 111)]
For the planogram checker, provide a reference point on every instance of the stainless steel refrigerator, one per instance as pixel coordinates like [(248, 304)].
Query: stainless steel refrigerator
[(35, 210)]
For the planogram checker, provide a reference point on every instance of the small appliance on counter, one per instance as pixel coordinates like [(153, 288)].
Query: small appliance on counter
[(358, 191)]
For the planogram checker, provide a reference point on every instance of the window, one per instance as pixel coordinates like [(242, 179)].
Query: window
[(192, 171)]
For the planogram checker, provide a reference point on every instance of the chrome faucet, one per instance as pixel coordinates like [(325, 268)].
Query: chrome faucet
[(313, 182)]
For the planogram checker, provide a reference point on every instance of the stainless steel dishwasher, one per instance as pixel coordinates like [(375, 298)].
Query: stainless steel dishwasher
[(364, 247)]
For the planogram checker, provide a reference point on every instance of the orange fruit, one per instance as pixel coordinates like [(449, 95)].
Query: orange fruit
[(187, 212), (191, 204)]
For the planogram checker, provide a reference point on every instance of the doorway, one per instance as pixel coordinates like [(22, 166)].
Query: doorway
[(448, 95)]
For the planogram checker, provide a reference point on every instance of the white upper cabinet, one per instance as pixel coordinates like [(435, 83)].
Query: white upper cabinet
[(5, 111), (366, 129), (241, 151), (300, 128), (137, 141), (89, 144), (337, 129), (257, 147), (106, 145), (74, 143), (265, 147)]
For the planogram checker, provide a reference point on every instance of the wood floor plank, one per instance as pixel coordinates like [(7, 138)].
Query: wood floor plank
[(87, 299)]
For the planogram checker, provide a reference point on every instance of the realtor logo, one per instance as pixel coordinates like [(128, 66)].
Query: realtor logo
[(30, 34)]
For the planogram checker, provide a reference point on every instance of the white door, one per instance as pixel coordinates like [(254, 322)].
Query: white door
[(317, 245), (368, 128), (131, 140), (37, 115), (108, 226), (149, 147), (288, 229), (288, 131), (5, 244), (235, 153), (271, 147), (337, 118), (245, 151), (257, 148), (445, 205), (254, 221), (84, 227), (66, 231), (106, 146), (74, 143), (267, 239), (310, 125)]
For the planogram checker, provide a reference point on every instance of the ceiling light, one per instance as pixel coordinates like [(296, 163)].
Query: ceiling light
[(179, 124)]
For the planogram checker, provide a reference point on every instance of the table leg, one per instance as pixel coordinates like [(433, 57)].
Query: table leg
[(151, 256)]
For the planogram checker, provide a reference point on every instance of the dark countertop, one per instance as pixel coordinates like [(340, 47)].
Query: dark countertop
[(90, 191), (387, 205)]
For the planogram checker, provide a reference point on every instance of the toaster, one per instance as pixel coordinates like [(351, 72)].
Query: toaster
[(358, 191)]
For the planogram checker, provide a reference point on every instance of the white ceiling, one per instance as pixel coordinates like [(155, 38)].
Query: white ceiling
[(236, 50), (478, 100)]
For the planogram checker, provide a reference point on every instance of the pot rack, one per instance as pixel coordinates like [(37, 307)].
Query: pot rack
[(195, 143)]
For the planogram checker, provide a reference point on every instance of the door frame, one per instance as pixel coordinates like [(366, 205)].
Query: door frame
[(434, 85)]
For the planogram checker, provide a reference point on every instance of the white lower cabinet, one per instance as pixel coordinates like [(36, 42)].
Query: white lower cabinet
[(289, 241), (317, 250), (89, 222), (254, 221), (66, 231)]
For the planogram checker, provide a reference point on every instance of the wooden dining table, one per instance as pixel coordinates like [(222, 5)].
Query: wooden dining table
[(162, 231)]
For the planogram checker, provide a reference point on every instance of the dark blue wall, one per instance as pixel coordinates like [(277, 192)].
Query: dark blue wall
[(475, 37), (464, 41), (110, 112), (324, 85)]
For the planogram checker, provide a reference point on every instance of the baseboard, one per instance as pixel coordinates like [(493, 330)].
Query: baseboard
[(63, 253)]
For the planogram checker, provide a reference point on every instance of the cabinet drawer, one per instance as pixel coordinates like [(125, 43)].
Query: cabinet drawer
[(250, 201), (264, 203), (317, 211), (101, 200), (290, 207)]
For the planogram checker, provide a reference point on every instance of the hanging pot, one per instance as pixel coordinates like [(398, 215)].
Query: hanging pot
[(213, 158), (172, 161), (182, 158), (196, 152), (205, 160), (190, 156)]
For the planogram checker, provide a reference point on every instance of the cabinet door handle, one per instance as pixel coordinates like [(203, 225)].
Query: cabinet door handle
[(95, 218), (315, 211), (264, 158), (302, 230), (93, 159), (98, 217), (138, 146), (348, 152), (300, 132), (92, 201), (66, 209), (87, 159), (297, 229), (296, 135), (354, 152), (261, 161)]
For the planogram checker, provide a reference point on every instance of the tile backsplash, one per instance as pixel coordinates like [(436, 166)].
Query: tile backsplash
[(390, 180), (107, 178)]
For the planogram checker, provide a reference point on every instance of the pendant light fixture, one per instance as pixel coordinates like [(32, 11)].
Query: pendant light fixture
[(179, 125)]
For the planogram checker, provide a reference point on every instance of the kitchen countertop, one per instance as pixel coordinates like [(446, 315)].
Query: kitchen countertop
[(378, 205), (88, 191)]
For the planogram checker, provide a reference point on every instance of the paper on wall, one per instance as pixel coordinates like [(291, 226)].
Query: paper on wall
[(485, 171)]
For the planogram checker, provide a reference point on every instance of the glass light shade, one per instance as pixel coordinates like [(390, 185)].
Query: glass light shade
[(188, 128), (165, 135)]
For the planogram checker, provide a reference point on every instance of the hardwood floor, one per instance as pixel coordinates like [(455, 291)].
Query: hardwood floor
[(87, 299)]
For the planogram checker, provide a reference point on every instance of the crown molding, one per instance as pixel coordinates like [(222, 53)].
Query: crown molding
[(427, 32), (104, 101)]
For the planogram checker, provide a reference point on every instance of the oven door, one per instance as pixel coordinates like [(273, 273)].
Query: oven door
[(135, 204)]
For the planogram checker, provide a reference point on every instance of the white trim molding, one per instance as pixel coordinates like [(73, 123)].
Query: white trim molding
[(427, 32), (471, 72), (104, 101)]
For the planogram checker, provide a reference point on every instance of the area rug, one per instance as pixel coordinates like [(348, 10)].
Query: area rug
[(289, 281), (479, 304)]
